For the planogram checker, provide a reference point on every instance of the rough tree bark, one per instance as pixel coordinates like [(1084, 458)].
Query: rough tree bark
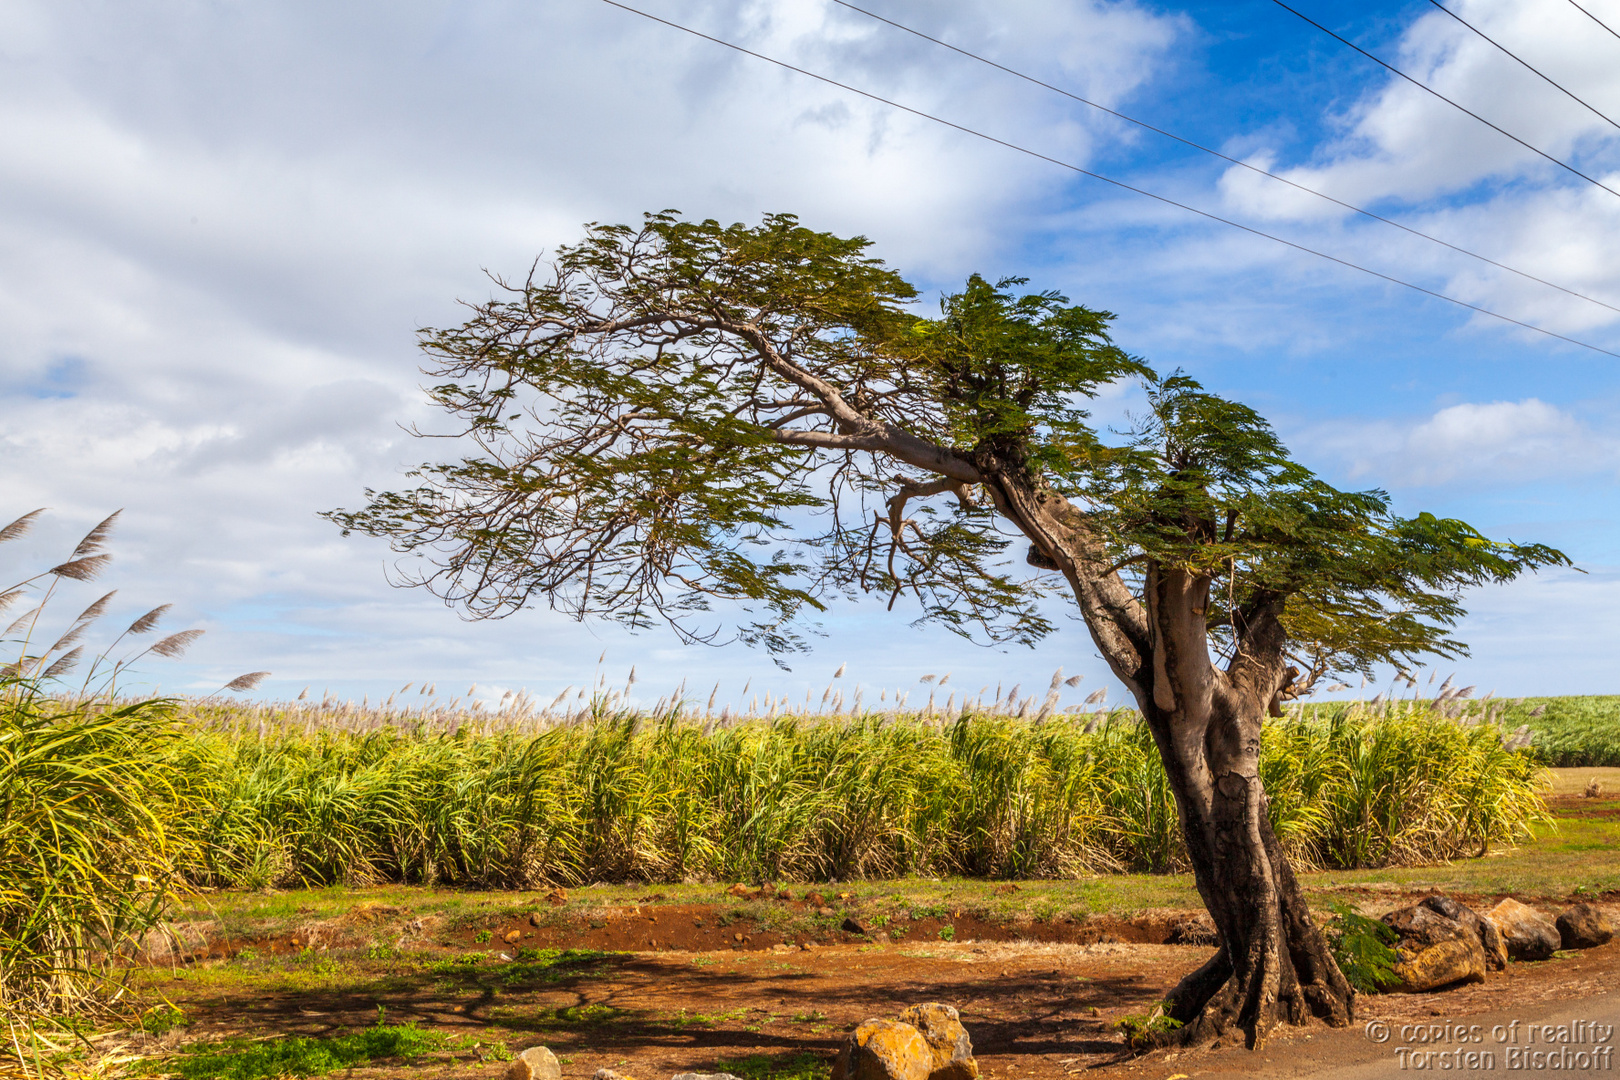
[(1273, 964)]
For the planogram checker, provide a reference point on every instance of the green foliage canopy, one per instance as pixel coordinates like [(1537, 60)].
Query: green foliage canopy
[(686, 417)]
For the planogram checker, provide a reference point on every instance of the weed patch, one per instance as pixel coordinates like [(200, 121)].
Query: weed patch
[(686, 1019), (799, 1066), (238, 1059), (1143, 1030), (162, 1019), (577, 1016)]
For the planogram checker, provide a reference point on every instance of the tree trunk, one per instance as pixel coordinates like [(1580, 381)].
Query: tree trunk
[(1273, 964)]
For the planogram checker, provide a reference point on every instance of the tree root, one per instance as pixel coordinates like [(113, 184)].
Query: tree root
[(1214, 1001)]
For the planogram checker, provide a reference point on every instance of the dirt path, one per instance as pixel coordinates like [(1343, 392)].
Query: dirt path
[(1035, 1010), (1575, 1039)]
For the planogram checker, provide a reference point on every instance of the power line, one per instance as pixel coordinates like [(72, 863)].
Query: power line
[(1503, 49), (1397, 71), (1225, 157), (1591, 16), (1105, 179)]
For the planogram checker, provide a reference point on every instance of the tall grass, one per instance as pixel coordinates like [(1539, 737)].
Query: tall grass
[(93, 840), (1562, 732), (634, 797), (1572, 731), (96, 826)]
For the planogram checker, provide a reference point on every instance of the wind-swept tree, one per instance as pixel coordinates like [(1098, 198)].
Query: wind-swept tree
[(727, 426)]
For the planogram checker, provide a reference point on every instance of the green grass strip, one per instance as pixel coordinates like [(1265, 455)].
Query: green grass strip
[(299, 1055)]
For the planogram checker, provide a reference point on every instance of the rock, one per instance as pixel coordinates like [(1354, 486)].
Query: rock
[(557, 897), (609, 1074), (825, 912), (535, 919), (704, 1076), (853, 925), (884, 1050), (941, 1028), (815, 900), (1527, 933), (1461, 959), (1584, 927), (1420, 927), (512, 935), (1490, 937), (1434, 950), (535, 1063)]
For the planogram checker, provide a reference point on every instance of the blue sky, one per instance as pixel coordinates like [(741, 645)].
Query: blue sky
[(221, 224)]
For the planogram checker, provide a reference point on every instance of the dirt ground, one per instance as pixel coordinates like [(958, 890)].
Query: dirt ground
[(768, 986), (1034, 1008)]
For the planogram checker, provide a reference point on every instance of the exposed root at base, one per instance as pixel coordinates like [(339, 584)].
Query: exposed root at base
[(1213, 1002)]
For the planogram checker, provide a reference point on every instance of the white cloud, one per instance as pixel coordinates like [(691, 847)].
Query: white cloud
[(1400, 141), (1501, 442), (1572, 614), (222, 224), (1417, 159)]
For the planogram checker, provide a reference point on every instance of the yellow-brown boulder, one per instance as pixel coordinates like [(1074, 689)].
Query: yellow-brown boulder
[(885, 1050), (941, 1027), (1461, 959)]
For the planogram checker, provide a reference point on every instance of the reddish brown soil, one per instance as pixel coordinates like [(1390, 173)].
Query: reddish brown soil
[(1036, 1009), (1024, 1002), (659, 927), (707, 927), (1602, 807)]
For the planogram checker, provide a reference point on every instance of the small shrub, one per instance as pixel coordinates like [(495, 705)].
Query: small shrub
[(162, 1019), (1145, 1030), (1363, 949)]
